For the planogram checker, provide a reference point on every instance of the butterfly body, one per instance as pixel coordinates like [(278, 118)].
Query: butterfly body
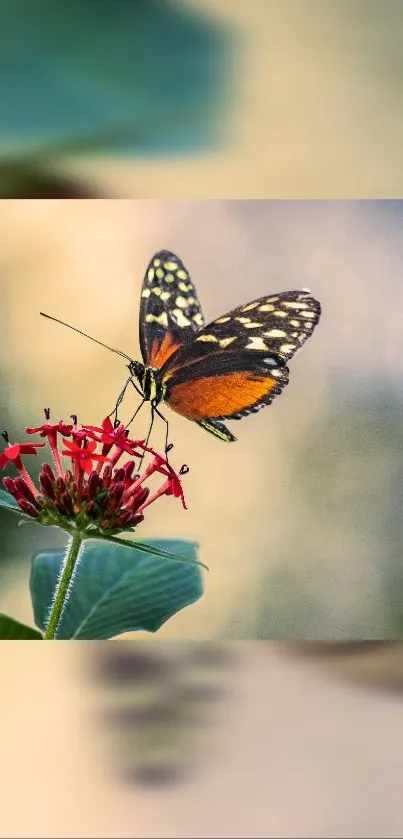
[(227, 369), (149, 379)]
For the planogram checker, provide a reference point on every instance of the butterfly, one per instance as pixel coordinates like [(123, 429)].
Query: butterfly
[(224, 370)]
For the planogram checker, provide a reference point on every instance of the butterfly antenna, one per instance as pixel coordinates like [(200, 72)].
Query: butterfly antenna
[(74, 328)]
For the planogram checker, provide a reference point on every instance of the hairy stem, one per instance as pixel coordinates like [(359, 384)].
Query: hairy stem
[(60, 598)]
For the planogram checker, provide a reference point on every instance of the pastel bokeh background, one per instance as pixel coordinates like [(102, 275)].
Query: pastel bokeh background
[(300, 520)]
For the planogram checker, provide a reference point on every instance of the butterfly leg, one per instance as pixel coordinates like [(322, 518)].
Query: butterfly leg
[(135, 413), (120, 399), (166, 430), (148, 436)]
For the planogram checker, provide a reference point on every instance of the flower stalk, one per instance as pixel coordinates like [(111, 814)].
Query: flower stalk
[(74, 547)]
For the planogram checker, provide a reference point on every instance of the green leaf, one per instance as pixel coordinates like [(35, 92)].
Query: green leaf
[(7, 502), (109, 76), (116, 588), (10, 629), (154, 550)]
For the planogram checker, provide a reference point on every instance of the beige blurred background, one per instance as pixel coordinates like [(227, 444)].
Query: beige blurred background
[(315, 109), (293, 746), (300, 521)]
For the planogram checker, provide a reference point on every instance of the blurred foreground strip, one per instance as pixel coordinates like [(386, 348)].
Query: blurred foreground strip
[(143, 78), (161, 699), (371, 664)]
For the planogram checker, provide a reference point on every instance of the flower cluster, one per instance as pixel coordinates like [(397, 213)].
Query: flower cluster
[(97, 493)]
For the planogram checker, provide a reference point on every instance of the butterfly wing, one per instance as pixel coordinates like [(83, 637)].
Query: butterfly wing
[(170, 312), (238, 363), (170, 315)]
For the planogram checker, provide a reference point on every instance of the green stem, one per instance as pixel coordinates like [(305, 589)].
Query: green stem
[(72, 552)]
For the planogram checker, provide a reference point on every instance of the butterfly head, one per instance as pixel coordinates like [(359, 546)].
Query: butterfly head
[(149, 381)]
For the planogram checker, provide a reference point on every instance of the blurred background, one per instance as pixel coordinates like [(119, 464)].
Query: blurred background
[(300, 521), (243, 739), (201, 98)]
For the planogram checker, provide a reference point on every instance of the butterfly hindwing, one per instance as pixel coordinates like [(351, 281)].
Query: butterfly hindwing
[(238, 363), (170, 312), (225, 385), (218, 429)]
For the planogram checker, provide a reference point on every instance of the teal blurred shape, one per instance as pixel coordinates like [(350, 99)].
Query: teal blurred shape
[(117, 589), (144, 77), (7, 502)]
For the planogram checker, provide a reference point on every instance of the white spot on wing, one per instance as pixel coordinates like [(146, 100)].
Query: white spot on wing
[(249, 306), (180, 318), (256, 343), (161, 319), (226, 341), (207, 338), (276, 333), (293, 304)]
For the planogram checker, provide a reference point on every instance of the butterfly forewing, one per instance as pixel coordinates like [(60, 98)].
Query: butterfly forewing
[(278, 324), (238, 363), (170, 312)]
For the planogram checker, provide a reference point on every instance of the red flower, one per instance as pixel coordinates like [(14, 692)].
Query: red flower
[(172, 486), (110, 435), (51, 431), (13, 453), (104, 500), (83, 454)]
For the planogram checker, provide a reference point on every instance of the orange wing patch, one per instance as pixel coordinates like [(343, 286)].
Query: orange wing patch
[(220, 396), (161, 350)]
